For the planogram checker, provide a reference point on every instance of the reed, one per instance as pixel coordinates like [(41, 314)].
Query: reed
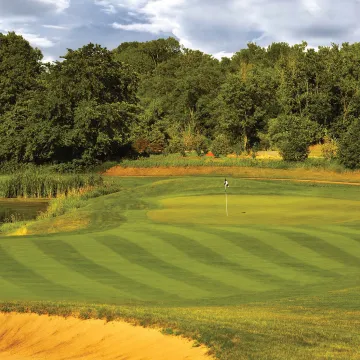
[(36, 184)]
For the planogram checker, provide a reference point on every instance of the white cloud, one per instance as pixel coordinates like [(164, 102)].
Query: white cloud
[(222, 54), (48, 58), (56, 27), (108, 8), (36, 40), (59, 5), (218, 26)]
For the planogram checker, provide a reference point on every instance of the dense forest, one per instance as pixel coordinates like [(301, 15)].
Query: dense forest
[(159, 97)]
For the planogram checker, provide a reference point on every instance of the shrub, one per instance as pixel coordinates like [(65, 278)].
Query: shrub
[(201, 144), (176, 145), (141, 145), (294, 149), (221, 146), (292, 135), (329, 148), (349, 146)]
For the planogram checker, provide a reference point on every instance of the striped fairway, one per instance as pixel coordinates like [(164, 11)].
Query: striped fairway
[(179, 249)]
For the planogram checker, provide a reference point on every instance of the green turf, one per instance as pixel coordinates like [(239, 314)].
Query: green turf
[(168, 244)]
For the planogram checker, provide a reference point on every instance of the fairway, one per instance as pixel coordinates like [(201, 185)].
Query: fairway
[(168, 243), (184, 249)]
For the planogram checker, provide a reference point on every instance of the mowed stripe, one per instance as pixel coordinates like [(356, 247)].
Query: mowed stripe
[(233, 251), (71, 258), (104, 255), (341, 242), (311, 239), (282, 250), (213, 250), (138, 255), (25, 277), (31, 256), (168, 253), (10, 291), (351, 232)]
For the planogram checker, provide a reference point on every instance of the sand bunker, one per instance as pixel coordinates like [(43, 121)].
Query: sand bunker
[(31, 336)]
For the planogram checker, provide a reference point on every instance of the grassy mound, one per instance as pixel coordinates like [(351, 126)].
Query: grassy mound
[(273, 287)]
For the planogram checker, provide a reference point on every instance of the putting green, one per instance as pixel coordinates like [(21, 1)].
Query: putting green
[(255, 210)]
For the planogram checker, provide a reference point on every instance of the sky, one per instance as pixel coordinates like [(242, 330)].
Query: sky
[(217, 27)]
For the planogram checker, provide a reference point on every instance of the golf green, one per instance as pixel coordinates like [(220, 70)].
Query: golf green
[(170, 242), (255, 210)]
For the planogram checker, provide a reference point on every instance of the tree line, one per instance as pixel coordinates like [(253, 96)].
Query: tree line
[(159, 97)]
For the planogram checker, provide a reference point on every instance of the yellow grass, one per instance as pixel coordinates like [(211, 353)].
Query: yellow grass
[(298, 174)]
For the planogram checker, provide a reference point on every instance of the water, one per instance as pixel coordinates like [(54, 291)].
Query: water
[(21, 209)]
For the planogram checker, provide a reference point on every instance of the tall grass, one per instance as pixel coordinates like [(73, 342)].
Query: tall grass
[(35, 184), (175, 160)]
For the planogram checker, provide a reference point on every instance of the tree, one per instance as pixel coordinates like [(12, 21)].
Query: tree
[(20, 66), (349, 146), (83, 110), (181, 89), (293, 135), (245, 103), (146, 56), (221, 145)]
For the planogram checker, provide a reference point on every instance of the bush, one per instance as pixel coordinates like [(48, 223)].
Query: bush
[(349, 146), (201, 144), (294, 149), (221, 146), (329, 148), (292, 135), (176, 145)]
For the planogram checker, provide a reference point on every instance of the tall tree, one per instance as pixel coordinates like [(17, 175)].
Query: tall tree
[(83, 111), (20, 66)]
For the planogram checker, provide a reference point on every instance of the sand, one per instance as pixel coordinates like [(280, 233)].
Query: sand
[(40, 337)]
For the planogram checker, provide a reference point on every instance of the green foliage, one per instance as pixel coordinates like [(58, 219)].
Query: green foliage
[(292, 135), (157, 96), (329, 148), (221, 145), (19, 68), (349, 147), (176, 145), (145, 57), (83, 111), (245, 103)]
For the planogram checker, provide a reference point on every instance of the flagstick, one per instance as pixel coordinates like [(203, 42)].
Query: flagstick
[(227, 214)]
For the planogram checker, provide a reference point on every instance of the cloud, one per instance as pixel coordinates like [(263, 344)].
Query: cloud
[(36, 40), (217, 26), (56, 27), (32, 7)]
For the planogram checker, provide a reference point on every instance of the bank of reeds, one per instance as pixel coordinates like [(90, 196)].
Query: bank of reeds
[(33, 184)]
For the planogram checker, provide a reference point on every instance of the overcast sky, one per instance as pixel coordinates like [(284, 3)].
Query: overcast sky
[(218, 27)]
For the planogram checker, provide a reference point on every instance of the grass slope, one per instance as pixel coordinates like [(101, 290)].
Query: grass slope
[(283, 284)]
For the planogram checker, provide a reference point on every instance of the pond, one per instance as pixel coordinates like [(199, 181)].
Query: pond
[(20, 209)]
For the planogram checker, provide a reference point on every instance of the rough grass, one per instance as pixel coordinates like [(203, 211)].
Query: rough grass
[(259, 291), (240, 172), (176, 160), (65, 213), (35, 184)]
